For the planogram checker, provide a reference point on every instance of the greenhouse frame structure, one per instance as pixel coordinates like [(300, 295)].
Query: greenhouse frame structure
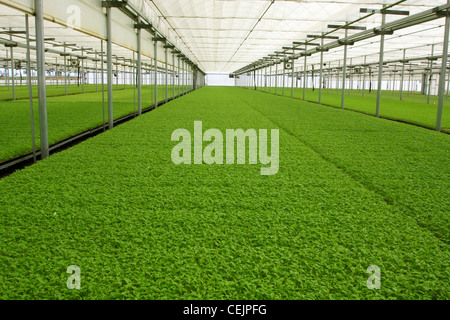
[(278, 70), (184, 202), (147, 56)]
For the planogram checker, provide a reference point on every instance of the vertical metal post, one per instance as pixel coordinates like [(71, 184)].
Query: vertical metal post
[(179, 77), (124, 74), (258, 79), (183, 76), (431, 74), (321, 71), (139, 72), (344, 70), (40, 53), (364, 77), (329, 77), (166, 76), (56, 73), (262, 79), (96, 72), (82, 70), (276, 78), (380, 64), (442, 76), (305, 72), (409, 79), (148, 77), (403, 75), (12, 68), (393, 82), (30, 88), (109, 76), (350, 85), (117, 73), (102, 82), (292, 75), (448, 83), (133, 79), (338, 76), (156, 72), (265, 78), (284, 73), (270, 78), (186, 66), (7, 71), (173, 75)]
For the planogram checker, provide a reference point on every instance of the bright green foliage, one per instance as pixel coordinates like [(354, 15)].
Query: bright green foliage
[(413, 110), (67, 116), (352, 191), (21, 91)]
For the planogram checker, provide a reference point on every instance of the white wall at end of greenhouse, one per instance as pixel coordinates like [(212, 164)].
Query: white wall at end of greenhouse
[(219, 79)]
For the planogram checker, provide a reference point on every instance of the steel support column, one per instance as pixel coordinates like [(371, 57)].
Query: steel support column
[(30, 88), (109, 72), (284, 73), (139, 71), (431, 74), (96, 71), (380, 65), (179, 77), (166, 76), (270, 78), (403, 75), (364, 76), (292, 83), (321, 71), (156, 72), (13, 86), (40, 54), (102, 82), (276, 78), (305, 72), (344, 71), (82, 70), (442, 76), (173, 75)]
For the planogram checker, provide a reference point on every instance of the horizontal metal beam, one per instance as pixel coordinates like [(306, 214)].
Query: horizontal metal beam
[(114, 3), (388, 11), (383, 31), (319, 36), (145, 26), (306, 43), (335, 26)]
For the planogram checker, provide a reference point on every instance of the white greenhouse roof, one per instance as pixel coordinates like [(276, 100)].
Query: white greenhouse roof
[(227, 35)]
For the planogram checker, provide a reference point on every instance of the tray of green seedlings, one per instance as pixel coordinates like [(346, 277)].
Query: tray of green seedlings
[(141, 227), (67, 116), (413, 108)]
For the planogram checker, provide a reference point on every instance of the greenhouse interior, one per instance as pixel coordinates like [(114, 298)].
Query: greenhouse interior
[(135, 142)]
